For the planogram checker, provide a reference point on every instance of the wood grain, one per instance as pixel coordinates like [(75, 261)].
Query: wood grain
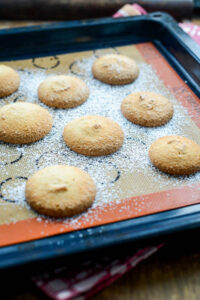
[(168, 275)]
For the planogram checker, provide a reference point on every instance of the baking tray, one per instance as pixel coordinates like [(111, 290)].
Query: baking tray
[(158, 39)]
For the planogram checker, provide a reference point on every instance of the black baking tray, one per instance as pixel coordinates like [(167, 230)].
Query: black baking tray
[(184, 56)]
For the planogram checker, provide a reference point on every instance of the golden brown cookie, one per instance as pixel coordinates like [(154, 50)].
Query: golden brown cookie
[(115, 69), (23, 123), (175, 155), (60, 191), (63, 91), (147, 109), (9, 81), (93, 135)]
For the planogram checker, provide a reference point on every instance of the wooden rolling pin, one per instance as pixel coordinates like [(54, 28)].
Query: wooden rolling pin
[(84, 9)]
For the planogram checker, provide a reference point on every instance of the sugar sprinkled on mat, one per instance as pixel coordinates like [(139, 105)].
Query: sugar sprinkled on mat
[(15, 192), (132, 158)]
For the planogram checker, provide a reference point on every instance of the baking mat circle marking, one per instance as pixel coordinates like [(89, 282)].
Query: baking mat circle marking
[(18, 154), (53, 61), (2, 185)]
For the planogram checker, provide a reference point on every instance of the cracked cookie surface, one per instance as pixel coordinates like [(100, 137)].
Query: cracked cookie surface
[(93, 135), (147, 109), (60, 191), (175, 155)]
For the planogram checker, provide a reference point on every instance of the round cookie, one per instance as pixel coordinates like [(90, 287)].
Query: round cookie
[(175, 155), (63, 91), (147, 109), (60, 191), (115, 69), (23, 123), (93, 135), (9, 81)]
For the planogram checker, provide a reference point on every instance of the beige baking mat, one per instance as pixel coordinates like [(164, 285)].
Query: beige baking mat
[(128, 172)]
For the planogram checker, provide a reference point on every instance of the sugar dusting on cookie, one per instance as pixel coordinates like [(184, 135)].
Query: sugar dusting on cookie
[(128, 172)]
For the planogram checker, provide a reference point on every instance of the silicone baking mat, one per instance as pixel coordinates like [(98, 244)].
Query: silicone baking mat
[(126, 174)]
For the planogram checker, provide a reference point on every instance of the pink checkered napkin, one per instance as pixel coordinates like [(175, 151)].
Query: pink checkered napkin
[(130, 10), (89, 277), (192, 29)]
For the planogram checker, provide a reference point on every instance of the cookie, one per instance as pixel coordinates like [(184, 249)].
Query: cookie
[(93, 135), (23, 123), (147, 109), (175, 155), (63, 91), (60, 191), (9, 81), (115, 69)]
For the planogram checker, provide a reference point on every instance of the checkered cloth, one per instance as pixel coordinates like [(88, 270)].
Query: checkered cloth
[(89, 277)]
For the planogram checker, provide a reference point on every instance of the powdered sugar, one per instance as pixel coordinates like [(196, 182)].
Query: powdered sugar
[(14, 191), (128, 172)]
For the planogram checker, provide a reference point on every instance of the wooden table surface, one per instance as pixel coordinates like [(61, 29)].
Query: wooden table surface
[(171, 274)]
